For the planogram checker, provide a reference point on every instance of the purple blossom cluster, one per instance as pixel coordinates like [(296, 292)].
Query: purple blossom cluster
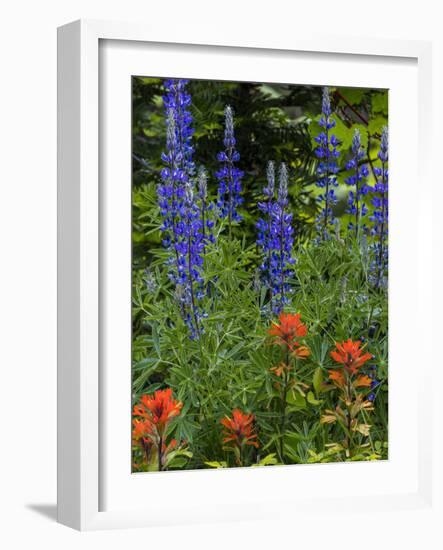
[(275, 238), (379, 264), (327, 152), (206, 207), (171, 191), (264, 225), (229, 175), (178, 101), (190, 247), (182, 226), (357, 181)]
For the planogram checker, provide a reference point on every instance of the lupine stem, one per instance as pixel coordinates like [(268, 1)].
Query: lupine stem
[(327, 167), (281, 261), (229, 175), (382, 230), (357, 204), (380, 215), (357, 180)]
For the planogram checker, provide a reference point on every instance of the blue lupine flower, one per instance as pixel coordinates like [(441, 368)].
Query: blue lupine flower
[(374, 383), (171, 190), (189, 249), (229, 176), (264, 224), (182, 226), (281, 241), (357, 180), (206, 207), (327, 152), (178, 100), (380, 217), (177, 157), (150, 281)]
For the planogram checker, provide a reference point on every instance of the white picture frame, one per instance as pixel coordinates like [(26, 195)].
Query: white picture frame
[(82, 415)]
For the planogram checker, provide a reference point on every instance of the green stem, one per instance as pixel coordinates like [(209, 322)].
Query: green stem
[(283, 405)]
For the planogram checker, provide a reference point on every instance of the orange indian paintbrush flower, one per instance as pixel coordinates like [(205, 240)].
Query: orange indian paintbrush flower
[(287, 331), (352, 357), (158, 409), (142, 429), (239, 429)]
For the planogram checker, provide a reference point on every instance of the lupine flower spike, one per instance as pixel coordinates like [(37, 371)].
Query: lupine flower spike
[(182, 225), (327, 152), (374, 383), (206, 207), (190, 249), (178, 101), (171, 191), (357, 180), (177, 157), (379, 265), (229, 176), (281, 242), (264, 225)]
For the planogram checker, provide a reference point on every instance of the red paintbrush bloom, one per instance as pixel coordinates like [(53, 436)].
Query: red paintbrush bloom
[(239, 429), (350, 355), (287, 331), (142, 429), (143, 434), (337, 377), (363, 382), (159, 409), (301, 352)]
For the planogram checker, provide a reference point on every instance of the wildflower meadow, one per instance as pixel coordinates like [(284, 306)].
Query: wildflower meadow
[(260, 274)]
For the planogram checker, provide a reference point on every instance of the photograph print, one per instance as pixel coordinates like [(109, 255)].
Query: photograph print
[(259, 274)]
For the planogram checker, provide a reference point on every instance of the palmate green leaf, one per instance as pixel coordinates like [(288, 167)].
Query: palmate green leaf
[(142, 371), (319, 352), (380, 103), (353, 95), (345, 133), (376, 124)]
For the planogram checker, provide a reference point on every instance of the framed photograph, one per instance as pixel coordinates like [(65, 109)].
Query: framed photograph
[(242, 273)]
